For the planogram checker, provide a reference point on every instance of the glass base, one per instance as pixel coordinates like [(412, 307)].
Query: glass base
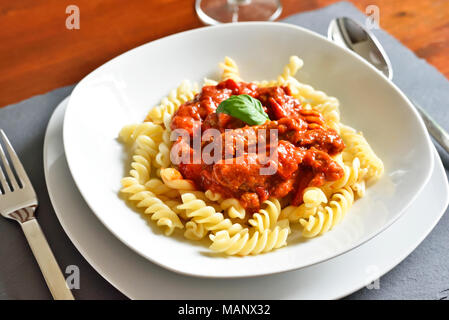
[(212, 12)]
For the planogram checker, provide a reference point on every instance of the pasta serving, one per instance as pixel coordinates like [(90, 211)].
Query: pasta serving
[(239, 162)]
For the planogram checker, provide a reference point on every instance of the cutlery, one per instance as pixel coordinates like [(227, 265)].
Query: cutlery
[(353, 36), (18, 202)]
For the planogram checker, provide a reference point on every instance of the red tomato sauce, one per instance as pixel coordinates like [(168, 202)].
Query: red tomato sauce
[(304, 146)]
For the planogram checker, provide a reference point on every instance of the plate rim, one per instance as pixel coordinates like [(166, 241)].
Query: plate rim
[(245, 274)]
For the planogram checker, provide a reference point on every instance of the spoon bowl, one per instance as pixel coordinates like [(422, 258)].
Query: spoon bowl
[(350, 34)]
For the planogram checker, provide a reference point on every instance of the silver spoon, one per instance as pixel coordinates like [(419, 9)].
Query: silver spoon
[(350, 34)]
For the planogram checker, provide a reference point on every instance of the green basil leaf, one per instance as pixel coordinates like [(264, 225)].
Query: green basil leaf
[(245, 108)]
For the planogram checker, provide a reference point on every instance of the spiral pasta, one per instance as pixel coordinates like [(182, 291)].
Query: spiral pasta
[(174, 179), (233, 208), (313, 197), (308, 95), (286, 77), (162, 158), (140, 169), (266, 83), (268, 217), (195, 231), (358, 147), (146, 146), (130, 133), (294, 64), (230, 70), (170, 104), (155, 184), (153, 206), (158, 187), (213, 196), (173, 204), (209, 82), (330, 215), (246, 242), (126, 134), (207, 215), (331, 113), (353, 177)]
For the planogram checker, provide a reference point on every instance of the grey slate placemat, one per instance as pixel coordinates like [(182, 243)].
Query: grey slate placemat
[(422, 275)]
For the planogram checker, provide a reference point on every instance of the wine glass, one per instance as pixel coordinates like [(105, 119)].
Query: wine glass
[(212, 12)]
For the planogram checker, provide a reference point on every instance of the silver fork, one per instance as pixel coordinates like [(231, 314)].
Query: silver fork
[(18, 201)]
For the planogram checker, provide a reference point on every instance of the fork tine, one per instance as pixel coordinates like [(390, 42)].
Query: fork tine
[(3, 182), (21, 173), (9, 174)]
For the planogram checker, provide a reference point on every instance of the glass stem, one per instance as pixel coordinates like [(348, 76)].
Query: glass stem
[(234, 6)]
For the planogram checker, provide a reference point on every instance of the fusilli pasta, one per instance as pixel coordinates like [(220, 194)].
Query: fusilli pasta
[(155, 185), (328, 216), (358, 147), (246, 242), (268, 217), (200, 213), (233, 208), (169, 105), (230, 70), (153, 206), (195, 231)]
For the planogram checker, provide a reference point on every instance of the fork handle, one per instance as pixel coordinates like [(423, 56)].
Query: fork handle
[(46, 260)]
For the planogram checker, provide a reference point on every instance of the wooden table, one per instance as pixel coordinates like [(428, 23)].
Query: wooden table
[(38, 53)]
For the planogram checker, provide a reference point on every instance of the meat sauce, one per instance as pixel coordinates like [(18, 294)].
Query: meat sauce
[(303, 148)]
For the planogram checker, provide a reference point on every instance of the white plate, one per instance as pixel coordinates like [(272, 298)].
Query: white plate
[(122, 91), (142, 279)]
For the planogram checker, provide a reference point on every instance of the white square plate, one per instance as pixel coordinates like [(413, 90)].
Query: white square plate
[(122, 91)]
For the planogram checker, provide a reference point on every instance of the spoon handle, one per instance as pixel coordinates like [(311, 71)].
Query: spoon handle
[(435, 130)]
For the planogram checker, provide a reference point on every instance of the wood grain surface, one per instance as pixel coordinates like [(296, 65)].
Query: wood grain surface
[(38, 53)]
